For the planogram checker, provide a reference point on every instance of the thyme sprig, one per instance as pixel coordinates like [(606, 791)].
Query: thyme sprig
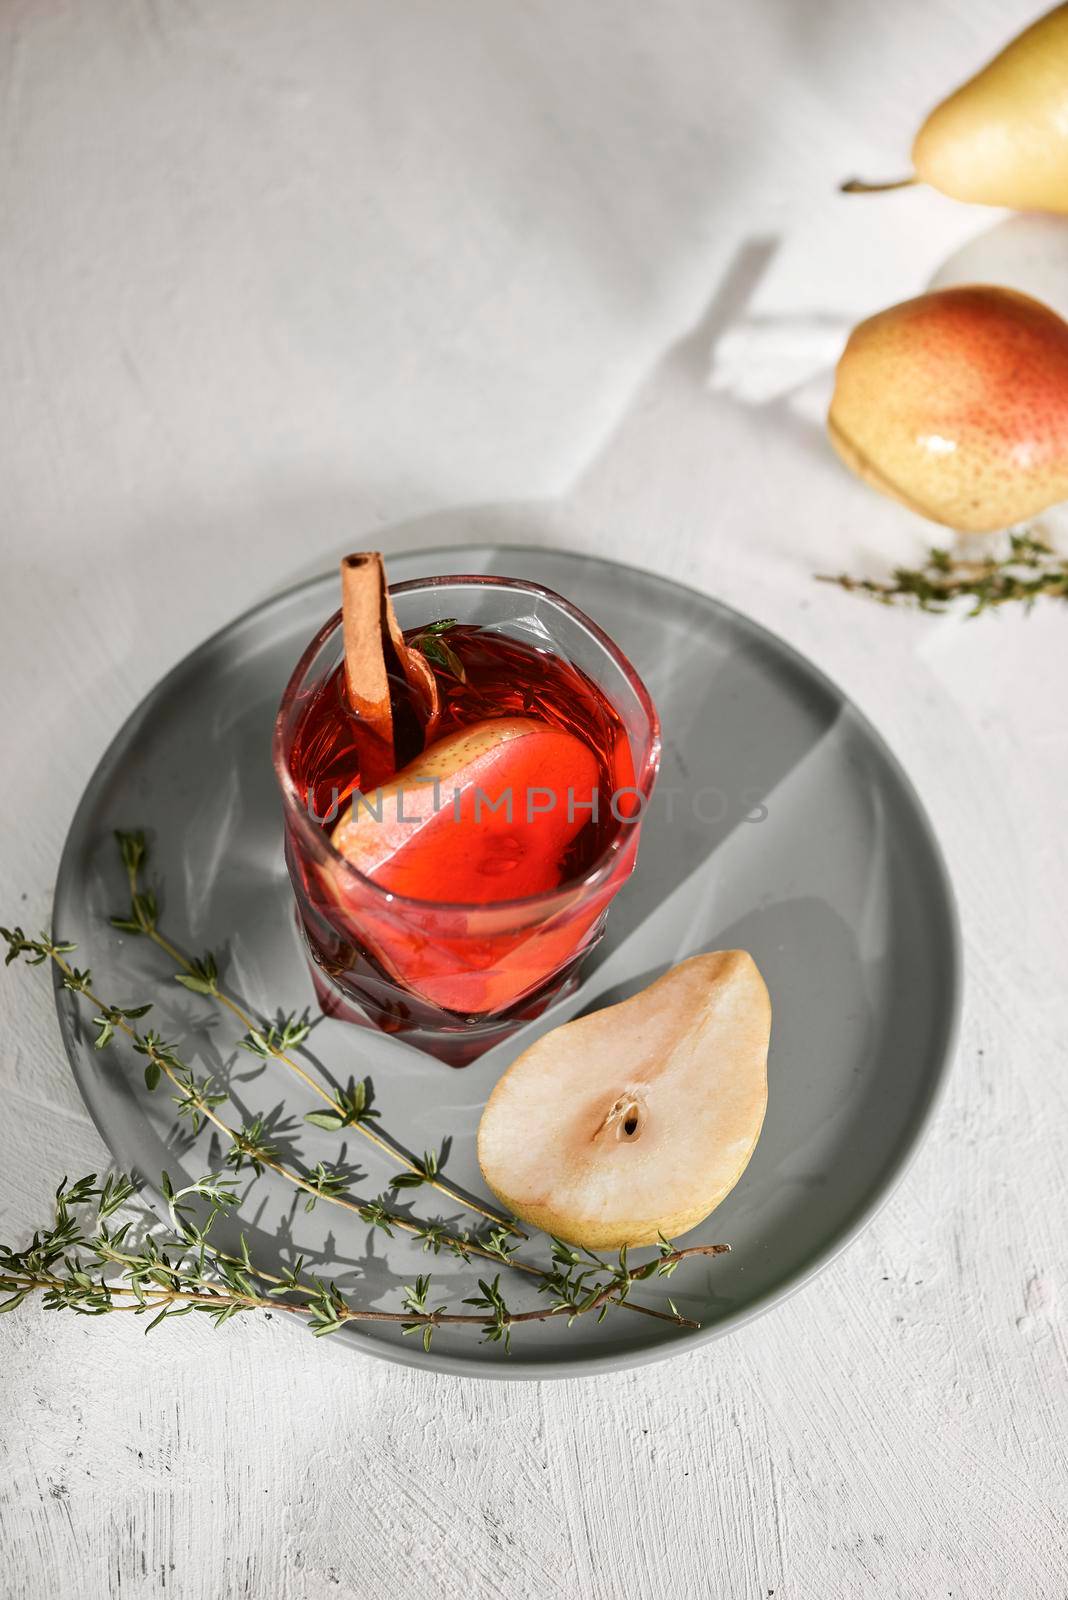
[(349, 1108), (198, 1100), (82, 1263), (1030, 569), (572, 1292), (180, 1269)]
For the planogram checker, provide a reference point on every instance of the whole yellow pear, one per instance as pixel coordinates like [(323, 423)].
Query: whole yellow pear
[(1002, 138), (956, 404)]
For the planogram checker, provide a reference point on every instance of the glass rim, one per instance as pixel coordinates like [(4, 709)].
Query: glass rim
[(598, 871)]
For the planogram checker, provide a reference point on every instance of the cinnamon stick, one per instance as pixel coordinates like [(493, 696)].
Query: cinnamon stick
[(373, 642)]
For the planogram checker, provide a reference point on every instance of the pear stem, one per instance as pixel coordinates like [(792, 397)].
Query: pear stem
[(859, 186)]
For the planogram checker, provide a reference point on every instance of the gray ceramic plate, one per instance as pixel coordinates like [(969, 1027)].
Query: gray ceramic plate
[(780, 823)]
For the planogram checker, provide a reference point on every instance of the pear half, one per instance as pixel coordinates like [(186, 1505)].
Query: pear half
[(637, 1120)]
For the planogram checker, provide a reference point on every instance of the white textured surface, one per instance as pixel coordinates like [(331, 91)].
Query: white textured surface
[(275, 278)]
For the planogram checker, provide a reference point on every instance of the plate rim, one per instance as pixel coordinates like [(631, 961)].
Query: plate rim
[(593, 1365)]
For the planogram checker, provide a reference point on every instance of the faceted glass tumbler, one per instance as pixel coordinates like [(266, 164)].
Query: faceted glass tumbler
[(454, 979)]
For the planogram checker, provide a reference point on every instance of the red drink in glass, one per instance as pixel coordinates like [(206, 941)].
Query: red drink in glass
[(478, 893)]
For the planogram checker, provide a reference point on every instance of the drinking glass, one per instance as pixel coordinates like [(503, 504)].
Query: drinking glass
[(454, 979)]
